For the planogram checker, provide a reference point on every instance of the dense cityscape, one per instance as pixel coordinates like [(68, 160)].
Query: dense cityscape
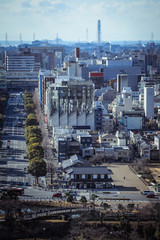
[(80, 139)]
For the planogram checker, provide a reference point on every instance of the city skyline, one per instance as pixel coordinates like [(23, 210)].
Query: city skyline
[(77, 21)]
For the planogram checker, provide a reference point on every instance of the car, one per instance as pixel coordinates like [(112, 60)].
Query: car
[(26, 183), (8, 140), (158, 175), (19, 124), (57, 195), (150, 196), (72, 193)]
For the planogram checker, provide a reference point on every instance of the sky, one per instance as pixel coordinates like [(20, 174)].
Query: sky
[(121, 20)]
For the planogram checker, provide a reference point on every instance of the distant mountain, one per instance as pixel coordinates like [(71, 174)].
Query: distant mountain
[(59, 41)]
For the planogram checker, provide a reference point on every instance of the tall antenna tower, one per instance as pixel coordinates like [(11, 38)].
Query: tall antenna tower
[(20, 36), (34, 37), (6, 39), (57, 39), (86, 34), (99, 32), (152, 37)]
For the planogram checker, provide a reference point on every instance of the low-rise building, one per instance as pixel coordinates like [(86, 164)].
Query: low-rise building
[(89, 177)]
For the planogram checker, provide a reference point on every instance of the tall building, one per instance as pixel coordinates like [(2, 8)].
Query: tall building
[(77, 52), (97, 78), (149, 102), (99, 32), (3, 82)]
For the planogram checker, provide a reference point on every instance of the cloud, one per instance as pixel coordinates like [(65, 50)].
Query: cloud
[(119, 18)]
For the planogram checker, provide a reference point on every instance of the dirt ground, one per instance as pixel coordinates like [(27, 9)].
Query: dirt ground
[(124, 178)]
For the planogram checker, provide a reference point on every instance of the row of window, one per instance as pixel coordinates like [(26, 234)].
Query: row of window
[(89, 176)]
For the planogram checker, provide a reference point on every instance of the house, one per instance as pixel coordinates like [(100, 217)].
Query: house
[(108, 140), (73, 161), (89, 177), (116, 152), (87, 152)]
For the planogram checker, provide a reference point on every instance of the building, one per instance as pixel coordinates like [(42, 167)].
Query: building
[(71, 103), (132, 120), (126, 80), (89, 177), (149, 102), (3, 82), (97, 78), (77, 52)]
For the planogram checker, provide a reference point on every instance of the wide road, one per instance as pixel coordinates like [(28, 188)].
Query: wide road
[(13, 162), (13, 165)]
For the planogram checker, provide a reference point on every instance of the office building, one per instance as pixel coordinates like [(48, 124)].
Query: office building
[(149, 102)]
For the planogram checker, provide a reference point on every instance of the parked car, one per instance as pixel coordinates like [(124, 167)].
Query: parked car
[(73, 193), (59, 195), (150, 196), (19, 124)]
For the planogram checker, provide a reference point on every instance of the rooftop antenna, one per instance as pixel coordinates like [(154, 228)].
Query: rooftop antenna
[(34, 37)]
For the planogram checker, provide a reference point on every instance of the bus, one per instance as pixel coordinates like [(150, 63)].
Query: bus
[(14, 190)]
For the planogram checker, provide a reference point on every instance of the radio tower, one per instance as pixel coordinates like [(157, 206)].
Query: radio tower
[(6, 39), (20, 36), (99, 32), (87, 35)]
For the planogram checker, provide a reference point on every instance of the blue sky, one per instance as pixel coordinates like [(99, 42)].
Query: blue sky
[(120, 19)]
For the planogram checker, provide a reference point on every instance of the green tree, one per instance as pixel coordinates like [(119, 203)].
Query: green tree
[(36, 146), (31, 120), (30, 108), (37, 168), (1, 120), (34, 140), (35, 153), (3, 104), (36, 131)]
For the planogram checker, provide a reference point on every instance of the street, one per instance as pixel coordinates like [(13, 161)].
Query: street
[(14, 163)]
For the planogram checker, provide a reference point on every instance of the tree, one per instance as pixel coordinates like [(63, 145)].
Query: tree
[(69, 198), (29, 108), (33, 131), (83, 201), (35, 153), (37, 168), (1, 120), (31, 120), (157, 233), (33, 139), (3, 104), (36, 146), (148, 231)]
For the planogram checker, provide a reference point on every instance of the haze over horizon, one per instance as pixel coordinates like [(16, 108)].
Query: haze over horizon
[(120, 19)]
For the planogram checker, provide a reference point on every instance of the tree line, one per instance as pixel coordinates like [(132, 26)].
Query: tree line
[(33, 136), (4, 96)]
